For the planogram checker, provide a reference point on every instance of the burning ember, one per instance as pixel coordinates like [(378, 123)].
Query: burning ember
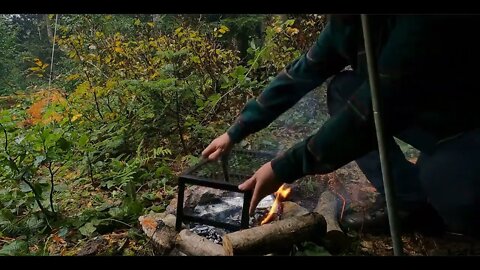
[(280, 195)]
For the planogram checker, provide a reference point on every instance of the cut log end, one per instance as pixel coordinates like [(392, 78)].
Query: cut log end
[(160, 229)]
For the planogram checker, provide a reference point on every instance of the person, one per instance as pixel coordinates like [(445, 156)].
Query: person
[(427, 69)]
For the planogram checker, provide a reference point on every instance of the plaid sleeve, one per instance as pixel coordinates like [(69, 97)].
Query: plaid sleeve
[(343, 138), (321, 61), (351, 133)]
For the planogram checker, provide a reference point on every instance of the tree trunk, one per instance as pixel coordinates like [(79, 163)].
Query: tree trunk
[(39, 23), (49, 28)]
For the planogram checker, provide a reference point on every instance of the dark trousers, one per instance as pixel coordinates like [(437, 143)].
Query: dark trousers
[(449, 178)]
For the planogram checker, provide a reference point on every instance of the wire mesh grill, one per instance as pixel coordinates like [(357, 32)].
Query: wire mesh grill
[(234, 168), (225, 174)]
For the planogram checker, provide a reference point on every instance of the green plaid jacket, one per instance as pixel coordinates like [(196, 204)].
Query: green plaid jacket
[(427, 76)]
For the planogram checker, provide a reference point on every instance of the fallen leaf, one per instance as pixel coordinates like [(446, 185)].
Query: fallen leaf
[(149, 223), (57, 239), (368, 189), (366, 244)]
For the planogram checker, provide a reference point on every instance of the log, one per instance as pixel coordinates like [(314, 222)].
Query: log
[(327, 206), (335, 240), (195, 245), (275, 236), (160, 229), (176, 252), (291, 209)]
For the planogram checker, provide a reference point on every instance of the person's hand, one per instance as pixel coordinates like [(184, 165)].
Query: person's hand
[(263, 183), (222, 144)]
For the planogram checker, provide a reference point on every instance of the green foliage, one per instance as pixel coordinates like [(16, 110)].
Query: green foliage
[(312, 249), (140, 96), (15, 248), (10, 74)]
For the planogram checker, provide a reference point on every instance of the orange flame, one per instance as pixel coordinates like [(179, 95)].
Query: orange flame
[(280, 195)]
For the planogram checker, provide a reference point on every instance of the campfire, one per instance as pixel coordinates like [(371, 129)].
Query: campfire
[(210, 215), (276, 211)]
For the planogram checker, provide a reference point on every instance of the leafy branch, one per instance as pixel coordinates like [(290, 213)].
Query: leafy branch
[(22, 177)]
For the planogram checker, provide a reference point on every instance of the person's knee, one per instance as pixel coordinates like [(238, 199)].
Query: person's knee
[(451, 179)]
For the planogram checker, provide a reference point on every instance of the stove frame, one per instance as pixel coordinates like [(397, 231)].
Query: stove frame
[(189, 178)]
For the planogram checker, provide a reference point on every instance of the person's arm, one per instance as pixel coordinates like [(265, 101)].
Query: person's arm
[(351, 133), (344, 137), (323, 59)]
